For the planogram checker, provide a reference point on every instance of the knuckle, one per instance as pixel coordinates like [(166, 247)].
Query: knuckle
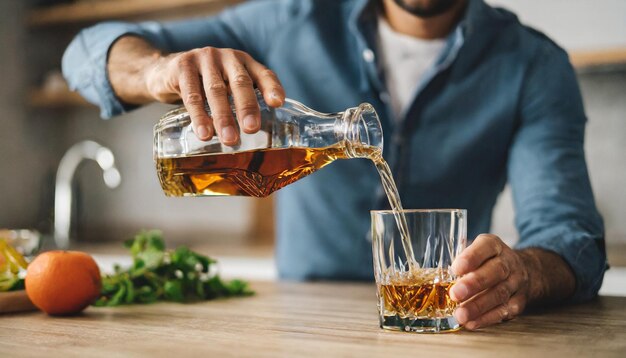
[(503, 269), (184, 59), (217, 88), (194, 98), (229, 52), (237, 53), (502, 294), (497, 247), (241, 80), (514, 309), (524, 277), (503, 313), (268, 73), (491, 238), (242, 55), (208, 51)]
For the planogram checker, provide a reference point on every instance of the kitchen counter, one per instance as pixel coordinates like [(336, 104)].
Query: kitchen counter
[(305, 319)]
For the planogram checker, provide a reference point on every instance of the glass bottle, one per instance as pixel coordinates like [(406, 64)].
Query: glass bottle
[(294, 141)]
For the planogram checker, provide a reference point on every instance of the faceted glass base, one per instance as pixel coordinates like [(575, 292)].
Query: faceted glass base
[(420, 325)]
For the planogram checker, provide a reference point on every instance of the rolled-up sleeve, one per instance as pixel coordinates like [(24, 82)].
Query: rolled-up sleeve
[(249, 27), (554, 203)]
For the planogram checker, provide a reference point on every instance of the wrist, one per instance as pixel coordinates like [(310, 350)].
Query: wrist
[(129, 63), (550, 279), (532, 266), (149, 69)]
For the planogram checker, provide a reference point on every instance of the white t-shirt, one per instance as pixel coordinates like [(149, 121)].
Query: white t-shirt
[(405, 59)]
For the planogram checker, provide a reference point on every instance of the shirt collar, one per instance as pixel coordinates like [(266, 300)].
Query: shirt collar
[(362, 23), (476, 13)]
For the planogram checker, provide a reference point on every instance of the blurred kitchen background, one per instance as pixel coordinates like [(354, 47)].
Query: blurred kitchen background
[(40, 119)]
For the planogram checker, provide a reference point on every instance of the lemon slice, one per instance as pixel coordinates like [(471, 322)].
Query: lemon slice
[(13, 259)]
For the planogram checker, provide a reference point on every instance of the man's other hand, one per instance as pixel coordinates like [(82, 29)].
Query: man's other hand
[(496, 282), (493, 285)]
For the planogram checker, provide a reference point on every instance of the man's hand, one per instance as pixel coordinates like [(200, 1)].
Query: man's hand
[(496, 283), (140, 74)]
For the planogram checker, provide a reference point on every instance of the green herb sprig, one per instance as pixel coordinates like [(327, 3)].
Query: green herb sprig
[(157, 274), (10, 282)]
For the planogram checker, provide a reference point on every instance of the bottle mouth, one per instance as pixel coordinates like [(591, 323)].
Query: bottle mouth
[(363, 130)]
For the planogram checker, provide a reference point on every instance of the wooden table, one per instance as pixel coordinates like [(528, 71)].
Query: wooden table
[(313, 319)]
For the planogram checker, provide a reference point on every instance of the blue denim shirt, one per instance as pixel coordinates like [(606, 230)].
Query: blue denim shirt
[(501, 103)]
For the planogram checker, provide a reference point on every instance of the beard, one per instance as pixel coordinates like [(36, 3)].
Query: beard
[(426, 8)]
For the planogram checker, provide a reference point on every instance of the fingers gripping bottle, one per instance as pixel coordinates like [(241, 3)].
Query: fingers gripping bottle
[(293, 142)]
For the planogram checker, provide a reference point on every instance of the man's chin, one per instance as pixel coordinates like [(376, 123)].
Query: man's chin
[(426, 8)]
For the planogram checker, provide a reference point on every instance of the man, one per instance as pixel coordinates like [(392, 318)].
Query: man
[(467, 96)]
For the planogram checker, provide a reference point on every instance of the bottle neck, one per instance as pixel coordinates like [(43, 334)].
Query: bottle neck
[(362, 131)]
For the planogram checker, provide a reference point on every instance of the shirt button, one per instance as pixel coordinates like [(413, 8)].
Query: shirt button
[(368, 55)]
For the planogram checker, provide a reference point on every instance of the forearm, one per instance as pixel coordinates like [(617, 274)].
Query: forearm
[(550, 277), (129, 59)]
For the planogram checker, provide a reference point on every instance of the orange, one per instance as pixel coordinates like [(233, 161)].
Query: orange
[(63, 282)]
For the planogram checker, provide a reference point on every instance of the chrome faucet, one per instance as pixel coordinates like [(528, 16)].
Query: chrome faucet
[(63, 189)]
